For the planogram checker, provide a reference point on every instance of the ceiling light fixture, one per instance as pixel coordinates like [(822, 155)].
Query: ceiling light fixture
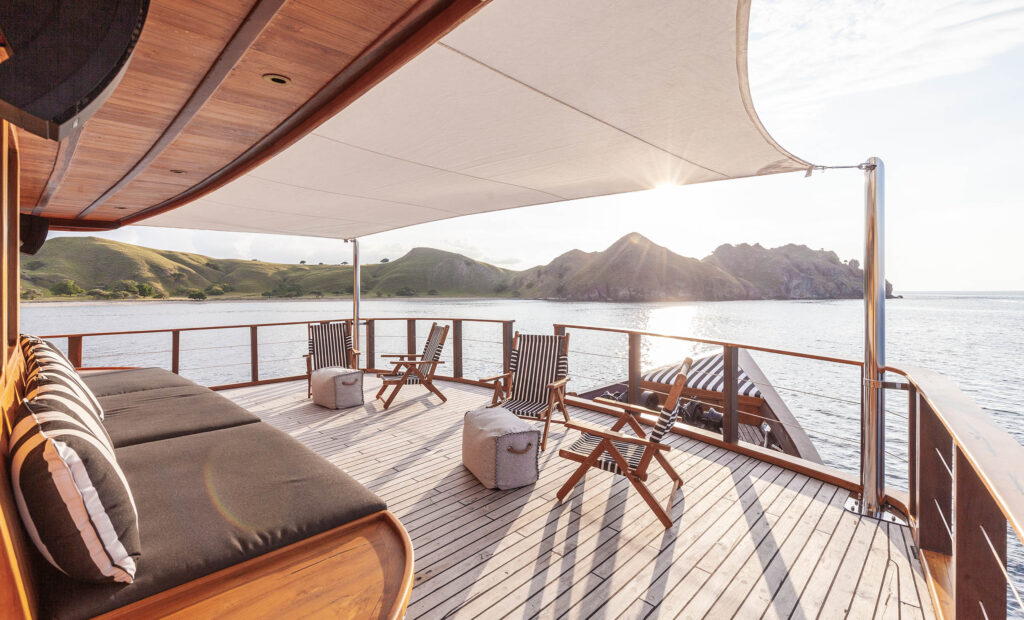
[(277, 78)]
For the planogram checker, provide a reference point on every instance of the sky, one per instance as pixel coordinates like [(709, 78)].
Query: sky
[(932, 87)]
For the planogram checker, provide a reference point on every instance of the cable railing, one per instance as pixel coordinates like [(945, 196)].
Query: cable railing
[(76, 350), (962, 469)]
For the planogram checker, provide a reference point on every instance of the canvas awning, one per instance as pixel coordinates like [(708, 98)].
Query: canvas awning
[(527, 102)]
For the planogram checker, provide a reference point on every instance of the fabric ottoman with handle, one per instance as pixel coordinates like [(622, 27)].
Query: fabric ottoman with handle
[(499, 448), (337, 388)]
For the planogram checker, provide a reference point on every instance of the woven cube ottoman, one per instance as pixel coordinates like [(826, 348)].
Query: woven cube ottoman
[(337, 388), (500, 449)]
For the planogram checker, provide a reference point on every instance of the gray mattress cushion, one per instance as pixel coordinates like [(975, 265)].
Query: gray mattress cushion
[(110, 382), (163, 413), (209, 501)]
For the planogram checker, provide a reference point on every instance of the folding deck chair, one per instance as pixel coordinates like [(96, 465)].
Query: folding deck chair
[(534, 385), (411, 369), (330, 345), (628, 455)]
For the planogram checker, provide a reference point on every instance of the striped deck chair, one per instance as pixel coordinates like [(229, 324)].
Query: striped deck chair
[(411, 369), (330, 345), (628, 455), (534, 385)]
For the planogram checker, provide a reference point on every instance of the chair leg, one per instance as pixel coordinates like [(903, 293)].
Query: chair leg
[(651, 502), (544, 439), (573, 480), (430, 386), (577, 475), (671, 471), (398, 386), (560, 395)]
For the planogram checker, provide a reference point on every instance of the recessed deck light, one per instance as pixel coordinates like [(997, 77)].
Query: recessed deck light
[(277, 78), (177, 172)]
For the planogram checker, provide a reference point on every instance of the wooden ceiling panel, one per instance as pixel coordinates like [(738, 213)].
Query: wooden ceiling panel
[(305, 45), (178, 44), (37, 160), (193, 97)]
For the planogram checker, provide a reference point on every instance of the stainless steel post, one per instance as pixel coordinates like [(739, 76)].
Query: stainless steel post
[(355, 292), (872, 457)]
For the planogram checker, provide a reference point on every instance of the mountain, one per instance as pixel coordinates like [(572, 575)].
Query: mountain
[(792, 272), (632, 269)]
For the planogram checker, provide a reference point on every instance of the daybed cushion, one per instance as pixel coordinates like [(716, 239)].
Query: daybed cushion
[(111, 382), (171, 407), (215, 499)]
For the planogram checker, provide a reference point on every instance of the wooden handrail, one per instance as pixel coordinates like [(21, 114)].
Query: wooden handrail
[(986, 446), (561, 327), (967, 488), (241, 325)]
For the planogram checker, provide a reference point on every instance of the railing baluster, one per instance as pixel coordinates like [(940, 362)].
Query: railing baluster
[(978, 524), (369, 345), (633, 393), (934, 488), (410, 336), (254, 353), (912, 448), (175, 351), (730, 395), (506, 344), (457, 349), (75, 351)]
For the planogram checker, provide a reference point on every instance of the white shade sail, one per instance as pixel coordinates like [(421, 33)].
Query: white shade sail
[(527, 102)]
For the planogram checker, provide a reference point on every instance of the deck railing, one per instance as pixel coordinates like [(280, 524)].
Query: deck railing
[(964, 471), (966, 484), (76, 344)]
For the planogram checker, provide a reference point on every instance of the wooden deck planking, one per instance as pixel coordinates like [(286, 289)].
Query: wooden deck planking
[(749, 540)]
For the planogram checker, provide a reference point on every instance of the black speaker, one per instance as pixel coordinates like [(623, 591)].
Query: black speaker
[(66, 57), (33, 233)]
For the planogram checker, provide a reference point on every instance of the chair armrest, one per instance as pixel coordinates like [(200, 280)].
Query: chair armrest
[(411, 362), (557, 384), (403, 355), (626, 406), (606, 433), (356, 351), (503, 375)]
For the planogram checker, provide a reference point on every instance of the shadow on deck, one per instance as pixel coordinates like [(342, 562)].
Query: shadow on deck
[(750, 539)]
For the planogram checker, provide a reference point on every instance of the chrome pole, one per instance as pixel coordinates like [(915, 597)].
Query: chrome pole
[(355, 292), (872, 458)]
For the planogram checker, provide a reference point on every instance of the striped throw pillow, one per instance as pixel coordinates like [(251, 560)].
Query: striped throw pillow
[(48, 374), (74, 500)]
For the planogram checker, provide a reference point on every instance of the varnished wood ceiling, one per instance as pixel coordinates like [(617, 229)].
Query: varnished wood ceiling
[(193, 110)]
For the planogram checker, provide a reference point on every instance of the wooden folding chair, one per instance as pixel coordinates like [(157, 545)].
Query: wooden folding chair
[(409, 368), (628, 455), (534, 385), (330, 345)]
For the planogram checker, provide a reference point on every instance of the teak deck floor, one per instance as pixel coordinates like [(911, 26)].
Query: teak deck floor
[(750, 539)]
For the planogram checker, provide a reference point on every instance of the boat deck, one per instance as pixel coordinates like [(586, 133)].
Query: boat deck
[(750, 539)]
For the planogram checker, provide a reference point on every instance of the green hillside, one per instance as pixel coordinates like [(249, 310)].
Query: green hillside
[(631, 269), (111, 269)]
